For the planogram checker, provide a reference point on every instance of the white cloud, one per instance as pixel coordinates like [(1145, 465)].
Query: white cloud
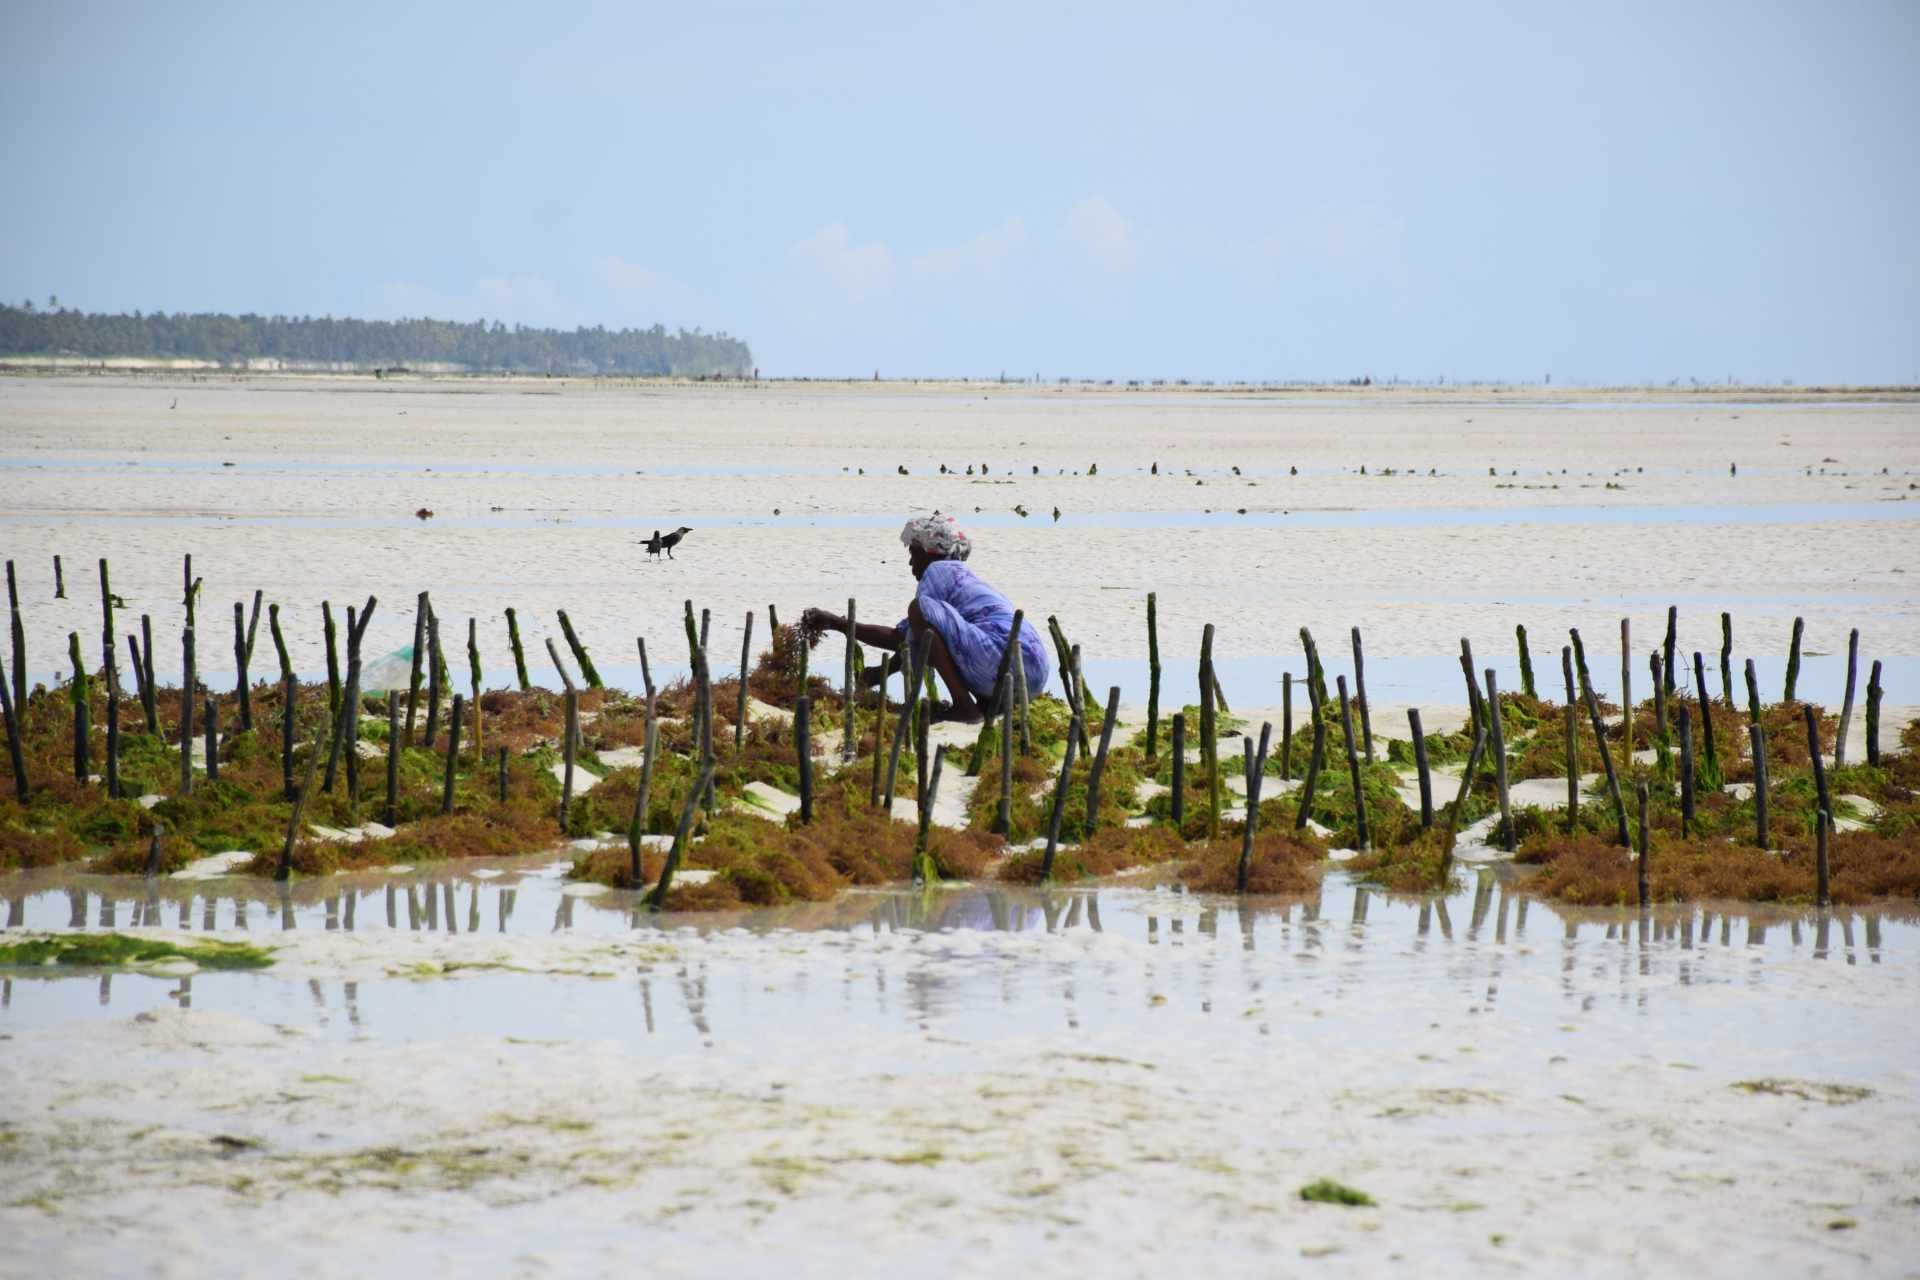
[(1100, 233), (980, 257), (861, 272)]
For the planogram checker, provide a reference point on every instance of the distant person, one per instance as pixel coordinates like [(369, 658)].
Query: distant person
[(969, 620)]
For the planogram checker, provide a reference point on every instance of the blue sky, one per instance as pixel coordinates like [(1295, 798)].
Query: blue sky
[(1601, 192)]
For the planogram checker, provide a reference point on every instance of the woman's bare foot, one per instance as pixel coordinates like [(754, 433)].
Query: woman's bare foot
[(946, 712)]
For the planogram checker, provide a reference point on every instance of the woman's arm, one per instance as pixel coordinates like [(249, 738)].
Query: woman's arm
[(881, 637)]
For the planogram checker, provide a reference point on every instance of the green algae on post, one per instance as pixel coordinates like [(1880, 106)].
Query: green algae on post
[(116, 950)]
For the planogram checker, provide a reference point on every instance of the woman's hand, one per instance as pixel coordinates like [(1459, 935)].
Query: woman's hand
[(817, 621)]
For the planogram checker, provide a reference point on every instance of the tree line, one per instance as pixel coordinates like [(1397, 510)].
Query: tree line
[(481, 346)]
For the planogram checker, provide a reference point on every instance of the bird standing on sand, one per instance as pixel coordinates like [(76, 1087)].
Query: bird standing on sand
[(666, 542)]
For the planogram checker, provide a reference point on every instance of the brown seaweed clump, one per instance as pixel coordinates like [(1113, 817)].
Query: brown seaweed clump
[(1110, 851), (1591, 871), (1283, 862), (1423, 864)]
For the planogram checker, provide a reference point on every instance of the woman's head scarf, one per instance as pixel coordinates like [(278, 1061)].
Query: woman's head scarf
[(937, 535)]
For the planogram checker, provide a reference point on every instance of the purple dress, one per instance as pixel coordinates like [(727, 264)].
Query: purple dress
[(974, 620)]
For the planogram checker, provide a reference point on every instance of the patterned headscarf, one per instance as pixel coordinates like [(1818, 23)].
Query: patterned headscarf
[(938, 536)]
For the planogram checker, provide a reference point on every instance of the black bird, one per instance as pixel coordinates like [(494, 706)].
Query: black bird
[(666, 542)]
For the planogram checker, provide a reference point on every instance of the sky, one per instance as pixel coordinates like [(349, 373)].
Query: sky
[(1600, 193)]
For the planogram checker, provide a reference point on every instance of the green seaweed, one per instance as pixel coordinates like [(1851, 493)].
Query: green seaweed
[(117, 950)]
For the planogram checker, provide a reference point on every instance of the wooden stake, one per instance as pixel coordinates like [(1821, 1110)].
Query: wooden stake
[(1819, 764), (1476, 708), (1662, 739), (1711, 774), (289, 699), (212, 718), (587, 672), (473, 683), (1573, 741), (1460, 801), (333, 661), (1846, 704), (149, 689), (1286, 726), (1100, 761), (109, 649), (1020, 700), (113, 731), (453, 753), (1686, 773), (435, 688), (1420, 764), (1753, 694), (915, 672), (1606, 756), (572, 703), (1314, 759), (19, 643), (80, 692), (880, 725), (1003, 812), (1499, 745), (1673, 632), (16, 754), (1757, 734), (501, 755), (1060, 798), (1256, 776), (1626, 688), (285, 869), (1873, 714), (658, 898), (519, 653), (847, 743), (803, 748), (1526, 664), (59, 580), (1726, 657), (1210, 733), (186, 710), (242, 694), (703, 688), (1153, 678), (1179, 746), (924, 872), (566, 681), (746, 658), (1353, 768), (1360, 694), (636, 825), (1793, 659), (1640, 790)]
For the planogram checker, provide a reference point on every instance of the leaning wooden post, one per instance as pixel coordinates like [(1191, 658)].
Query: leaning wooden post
[(1819, 763), (1821, 898), (1711, 772), (1873, 714), (1626, 688), (572, 703), (108, 647), (1753, 694), (1256, 774), (333, 660), (1020, 701), (703, 686), (473, 683), (289, 698), (637, 824), (1640, 876), (924, 871), (1210, 733), (1621, 833), (1360, 693), (1153, 678), (1460, 798), (149, 691), (1526, 664), (847, 741), (241, 693), (1178, 744), (803, 749), (658, 898), (746, 659), (1499, 745), (519, 653), (1314, 758), (285, 869), (1758, 736), (59, 580), (500, 754), (1672, 639), (916, 670), (1662, 738), (1726, 657), (19, 643), (1793, 659), (16, 754), (1420, 764), (1476, 706), (80, 692), (1060, 796), (453, 753), (587, 672), (1686, 772), (1846, 704), (1100, 760), (1353, 767), (186, 711), (113, 730), (1286, 726), (1003, 811), (434, 689), (212, 717), (880, 724), (1572, 732), (392, 815)]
